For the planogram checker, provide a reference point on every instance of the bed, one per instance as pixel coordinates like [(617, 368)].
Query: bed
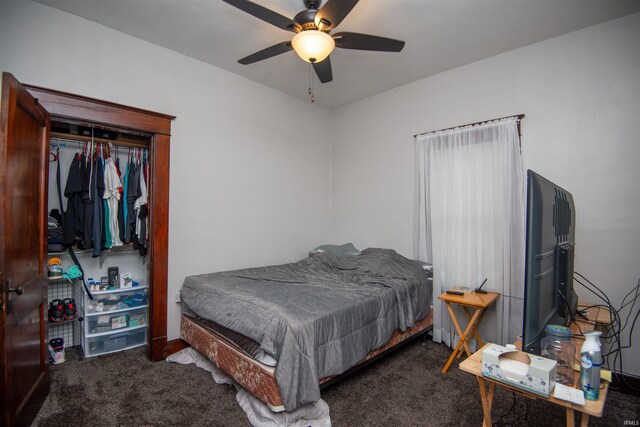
[(312, 320)]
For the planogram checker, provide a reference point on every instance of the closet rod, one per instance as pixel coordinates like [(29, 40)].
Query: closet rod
[(81, 139), (517, 116)]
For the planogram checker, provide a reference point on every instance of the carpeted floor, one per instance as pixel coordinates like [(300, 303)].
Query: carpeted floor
[(405, 388)]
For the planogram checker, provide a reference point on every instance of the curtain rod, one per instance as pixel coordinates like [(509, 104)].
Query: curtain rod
[(517, 116)]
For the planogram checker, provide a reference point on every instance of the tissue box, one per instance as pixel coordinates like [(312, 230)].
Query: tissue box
[(522, 370)]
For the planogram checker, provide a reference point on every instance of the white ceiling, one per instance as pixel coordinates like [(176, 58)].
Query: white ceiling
[(439, 34)]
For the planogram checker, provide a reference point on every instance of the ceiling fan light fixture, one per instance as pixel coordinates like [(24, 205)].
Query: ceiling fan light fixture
[(312, 45)]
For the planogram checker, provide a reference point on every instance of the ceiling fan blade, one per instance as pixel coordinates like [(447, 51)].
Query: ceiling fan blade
[(274, 50), (323, 70), (333, 12), (263, 13), (367, 42)]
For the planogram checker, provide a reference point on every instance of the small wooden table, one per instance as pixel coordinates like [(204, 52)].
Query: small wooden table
[(477, 301), (473, 365)]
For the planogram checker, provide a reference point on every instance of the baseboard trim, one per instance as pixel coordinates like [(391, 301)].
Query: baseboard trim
[(175, 346), (627, 384)]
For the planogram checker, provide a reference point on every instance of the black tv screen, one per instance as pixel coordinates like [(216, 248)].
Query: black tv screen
[(549, 295)]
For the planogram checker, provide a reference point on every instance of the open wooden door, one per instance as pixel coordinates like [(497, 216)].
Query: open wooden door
[(24, 142)]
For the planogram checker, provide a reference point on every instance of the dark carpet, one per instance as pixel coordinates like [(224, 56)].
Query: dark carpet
[(405, 388)]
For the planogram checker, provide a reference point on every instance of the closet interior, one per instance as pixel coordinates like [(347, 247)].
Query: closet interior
[(98, 203), (72, 123)]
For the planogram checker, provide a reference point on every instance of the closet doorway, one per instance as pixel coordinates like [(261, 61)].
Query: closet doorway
[(25, 130)]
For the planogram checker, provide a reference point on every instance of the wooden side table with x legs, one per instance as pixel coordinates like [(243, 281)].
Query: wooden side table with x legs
[(469, 300)]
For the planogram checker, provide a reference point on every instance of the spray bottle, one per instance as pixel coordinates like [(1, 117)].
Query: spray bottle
[(590, 362)]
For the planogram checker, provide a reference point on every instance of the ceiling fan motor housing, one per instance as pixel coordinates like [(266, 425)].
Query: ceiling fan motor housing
[(306, 20)]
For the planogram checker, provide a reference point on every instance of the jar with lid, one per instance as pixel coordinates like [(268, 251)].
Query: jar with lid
[(557, 345)]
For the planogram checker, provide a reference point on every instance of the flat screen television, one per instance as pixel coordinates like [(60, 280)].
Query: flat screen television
[(549, 295)]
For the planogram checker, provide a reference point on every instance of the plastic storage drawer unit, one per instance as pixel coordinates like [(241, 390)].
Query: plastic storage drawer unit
[(106, 322), (120, 300), (114, 320), (115, 342)]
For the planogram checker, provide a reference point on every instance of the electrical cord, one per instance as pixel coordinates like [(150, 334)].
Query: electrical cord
[(614, 320), (614, 331), (564, 299), (512, 413), (602, 295), (583, 314)]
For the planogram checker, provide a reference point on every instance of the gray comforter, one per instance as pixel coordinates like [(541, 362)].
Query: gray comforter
[(317, 317)]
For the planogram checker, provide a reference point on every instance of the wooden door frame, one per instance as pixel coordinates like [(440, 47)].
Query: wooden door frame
[(76, 107)]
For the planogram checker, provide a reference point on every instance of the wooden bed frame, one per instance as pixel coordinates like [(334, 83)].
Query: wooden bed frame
[(258, 378)]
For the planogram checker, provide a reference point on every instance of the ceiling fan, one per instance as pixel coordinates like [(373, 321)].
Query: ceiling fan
[(312, 40)]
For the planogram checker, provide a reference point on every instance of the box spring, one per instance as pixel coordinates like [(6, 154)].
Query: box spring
[(258, 378)]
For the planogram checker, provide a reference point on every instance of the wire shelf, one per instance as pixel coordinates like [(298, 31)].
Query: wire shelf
[(61, 289)]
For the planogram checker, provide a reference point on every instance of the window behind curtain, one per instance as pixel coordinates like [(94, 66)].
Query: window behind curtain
[(469, 220)]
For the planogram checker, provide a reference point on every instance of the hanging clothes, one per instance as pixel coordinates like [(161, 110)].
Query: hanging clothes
[(73, 191), (106, 208), (125, 203), (120, 199), (108, 242), (113, 186), (133, 192), (142, 211), (98, 211), (88, 199)]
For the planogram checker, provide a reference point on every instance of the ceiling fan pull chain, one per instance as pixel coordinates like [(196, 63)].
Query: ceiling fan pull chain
[(311, 83)]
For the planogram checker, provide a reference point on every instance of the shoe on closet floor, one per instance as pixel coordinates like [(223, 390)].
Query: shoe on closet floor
[(56, 351)]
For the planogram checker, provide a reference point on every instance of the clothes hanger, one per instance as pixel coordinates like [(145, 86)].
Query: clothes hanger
[(53, 157)]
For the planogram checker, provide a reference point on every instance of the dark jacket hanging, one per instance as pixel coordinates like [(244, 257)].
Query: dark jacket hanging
[(98, 207), (120, 204), (133, 192), (74, 215), (88, 197)]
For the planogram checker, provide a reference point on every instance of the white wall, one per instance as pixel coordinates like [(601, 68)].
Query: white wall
[(581, 96), (246, 190)]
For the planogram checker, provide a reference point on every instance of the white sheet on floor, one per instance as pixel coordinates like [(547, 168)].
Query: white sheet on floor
[(309, 415), (191, 355)]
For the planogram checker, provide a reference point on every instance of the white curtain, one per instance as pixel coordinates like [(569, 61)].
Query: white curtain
[(470, 221)]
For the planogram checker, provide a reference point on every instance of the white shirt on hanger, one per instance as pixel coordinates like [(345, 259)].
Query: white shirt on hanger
[(112, 185)]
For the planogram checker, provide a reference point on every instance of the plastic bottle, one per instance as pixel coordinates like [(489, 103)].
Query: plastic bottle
[(590, 362), (557, 345)]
